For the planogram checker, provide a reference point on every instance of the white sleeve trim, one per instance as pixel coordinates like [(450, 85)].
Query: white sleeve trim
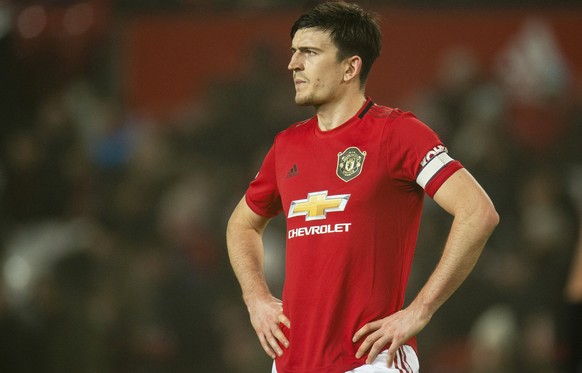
[(432, 168)]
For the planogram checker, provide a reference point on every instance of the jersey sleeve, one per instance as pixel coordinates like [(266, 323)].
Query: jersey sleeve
[(262, 195), (422, 157)]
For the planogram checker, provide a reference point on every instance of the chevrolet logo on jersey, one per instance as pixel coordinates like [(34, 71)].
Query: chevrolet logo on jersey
[(317, 205)]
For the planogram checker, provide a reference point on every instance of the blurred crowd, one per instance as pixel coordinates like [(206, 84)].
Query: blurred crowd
[(517, 127), (275, 4), (112, 225)]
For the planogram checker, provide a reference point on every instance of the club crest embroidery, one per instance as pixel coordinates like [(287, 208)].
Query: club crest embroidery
[(350, 163)]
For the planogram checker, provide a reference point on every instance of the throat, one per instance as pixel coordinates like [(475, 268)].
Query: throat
[(332, 118)]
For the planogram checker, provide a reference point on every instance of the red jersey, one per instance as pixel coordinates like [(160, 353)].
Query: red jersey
[(353, 198)]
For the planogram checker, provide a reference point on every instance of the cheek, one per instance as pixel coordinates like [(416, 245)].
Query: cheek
[(324, 84), (328, 77), (325, 77), (321, 82)]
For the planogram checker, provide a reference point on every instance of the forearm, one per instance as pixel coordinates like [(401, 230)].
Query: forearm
[(574, 284), (474, 220), (247, 260), (244, 240), (463, 247), (246, 254)]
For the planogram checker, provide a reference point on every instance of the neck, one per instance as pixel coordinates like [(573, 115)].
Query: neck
[(336, 113)]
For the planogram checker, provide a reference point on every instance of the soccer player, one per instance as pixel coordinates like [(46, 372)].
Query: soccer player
[(351, 182)]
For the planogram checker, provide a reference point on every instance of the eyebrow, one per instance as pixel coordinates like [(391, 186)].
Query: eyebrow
[(304, 49)]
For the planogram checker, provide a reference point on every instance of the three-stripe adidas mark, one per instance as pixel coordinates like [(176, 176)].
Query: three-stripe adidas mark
[(293, 171)]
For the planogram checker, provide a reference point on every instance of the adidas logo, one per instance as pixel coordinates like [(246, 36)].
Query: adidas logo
[(293, 171)]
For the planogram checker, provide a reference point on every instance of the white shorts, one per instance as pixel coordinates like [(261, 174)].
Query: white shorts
[(405, 361)]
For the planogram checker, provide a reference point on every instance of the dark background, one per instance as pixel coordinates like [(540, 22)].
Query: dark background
[(130, 129)]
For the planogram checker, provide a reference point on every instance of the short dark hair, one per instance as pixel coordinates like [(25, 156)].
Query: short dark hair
[(353, 30)]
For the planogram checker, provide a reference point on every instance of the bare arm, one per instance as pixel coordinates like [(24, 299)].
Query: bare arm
[(574, 284), (474, 221), (246, 253)]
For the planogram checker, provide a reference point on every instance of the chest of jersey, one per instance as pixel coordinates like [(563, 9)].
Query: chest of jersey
[(328, 182)]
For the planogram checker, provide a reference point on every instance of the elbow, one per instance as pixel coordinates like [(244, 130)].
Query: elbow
[(481, 215), (490, 218)]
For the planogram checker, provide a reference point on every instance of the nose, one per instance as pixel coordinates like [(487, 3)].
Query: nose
[(295, 63)]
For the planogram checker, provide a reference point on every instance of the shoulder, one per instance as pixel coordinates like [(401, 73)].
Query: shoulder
[(402, 122), (382, 111), (296, 129), (396, 122), (391, 116)]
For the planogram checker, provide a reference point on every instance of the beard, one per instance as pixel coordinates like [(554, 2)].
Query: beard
[(308, 99), (303, 101)]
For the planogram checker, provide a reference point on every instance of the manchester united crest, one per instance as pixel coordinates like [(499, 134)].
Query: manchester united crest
[(350, 163)]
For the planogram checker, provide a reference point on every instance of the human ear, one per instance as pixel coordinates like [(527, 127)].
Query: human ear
[(353, 66)]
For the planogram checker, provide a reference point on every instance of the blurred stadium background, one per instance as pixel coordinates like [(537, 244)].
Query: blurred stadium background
[(129, 129)]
